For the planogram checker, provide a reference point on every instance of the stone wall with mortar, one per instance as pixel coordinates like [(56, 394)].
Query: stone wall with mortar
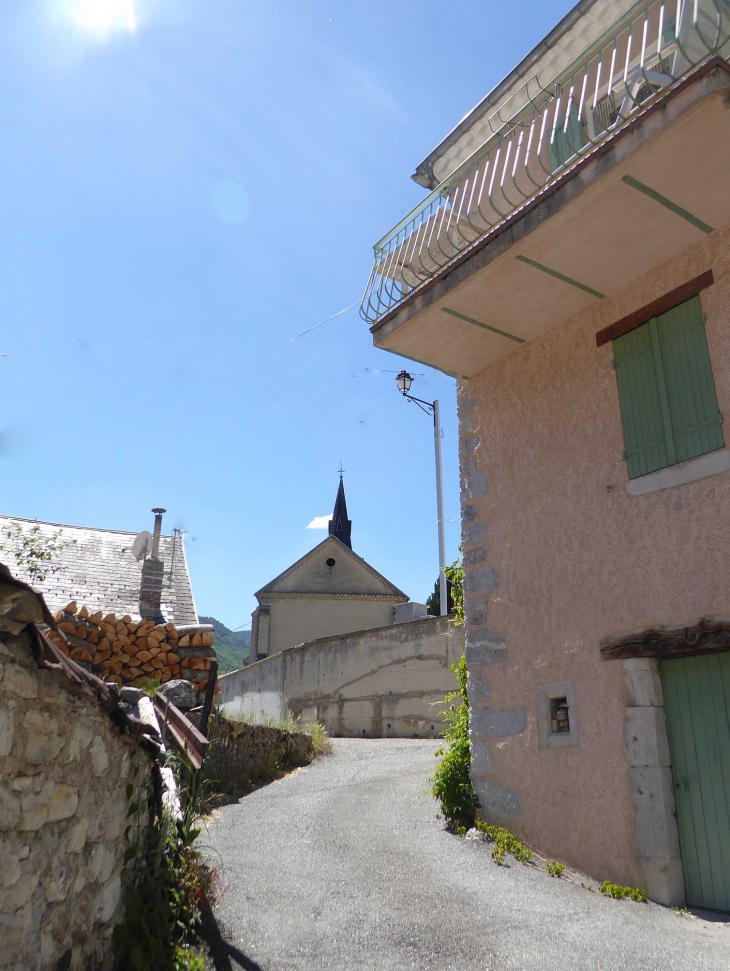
[(380, 682), (240, 753), (64, 769)]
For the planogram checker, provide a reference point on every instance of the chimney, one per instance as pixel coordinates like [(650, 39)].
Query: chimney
[(156, 535), (150, 593)]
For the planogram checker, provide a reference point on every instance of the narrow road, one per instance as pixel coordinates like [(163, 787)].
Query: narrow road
[(345, 865)]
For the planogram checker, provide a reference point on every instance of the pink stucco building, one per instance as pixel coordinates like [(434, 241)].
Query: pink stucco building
[(571, 268)]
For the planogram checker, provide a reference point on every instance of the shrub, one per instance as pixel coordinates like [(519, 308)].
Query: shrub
[(554, 868), (452, 778)]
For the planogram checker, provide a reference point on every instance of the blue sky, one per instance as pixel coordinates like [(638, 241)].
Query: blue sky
[(186, 185)]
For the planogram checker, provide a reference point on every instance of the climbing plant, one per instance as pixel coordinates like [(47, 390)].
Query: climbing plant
[(452, 779), (454, 593)]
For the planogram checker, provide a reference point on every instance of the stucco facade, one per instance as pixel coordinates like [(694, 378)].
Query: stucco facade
[(559, 555), (329, 591), (584, 311)]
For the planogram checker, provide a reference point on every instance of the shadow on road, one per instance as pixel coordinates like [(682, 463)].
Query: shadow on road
[(225, 956)]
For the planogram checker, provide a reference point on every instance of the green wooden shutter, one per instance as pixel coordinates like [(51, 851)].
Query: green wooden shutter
[(695, 418), (641, 403)]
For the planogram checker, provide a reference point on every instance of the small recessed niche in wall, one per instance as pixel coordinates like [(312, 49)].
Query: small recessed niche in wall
[(557, 715), (330, 561)]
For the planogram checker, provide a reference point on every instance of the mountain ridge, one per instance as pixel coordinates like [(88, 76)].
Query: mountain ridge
[(231, 647)]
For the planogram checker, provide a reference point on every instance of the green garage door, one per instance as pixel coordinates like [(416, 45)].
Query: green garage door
[(697, 705)]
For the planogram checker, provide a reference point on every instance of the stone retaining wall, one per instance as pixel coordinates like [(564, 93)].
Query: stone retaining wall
[(240, 753), (64, 770)]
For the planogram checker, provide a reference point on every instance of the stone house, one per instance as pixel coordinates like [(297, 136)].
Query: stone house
[(98, 568), (571, 269), (329, 591), (67, 755)]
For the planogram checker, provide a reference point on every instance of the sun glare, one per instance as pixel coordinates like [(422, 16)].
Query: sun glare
[(105, 16)]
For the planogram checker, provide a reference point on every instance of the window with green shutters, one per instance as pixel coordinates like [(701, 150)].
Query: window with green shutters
[(666, 390)]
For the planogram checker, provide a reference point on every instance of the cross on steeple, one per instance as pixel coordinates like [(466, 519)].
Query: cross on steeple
[(340, 526)]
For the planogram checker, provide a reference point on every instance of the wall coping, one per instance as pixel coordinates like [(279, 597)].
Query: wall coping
[(441, 622)]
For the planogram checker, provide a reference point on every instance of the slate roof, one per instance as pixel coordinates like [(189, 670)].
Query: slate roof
[(99, 571)]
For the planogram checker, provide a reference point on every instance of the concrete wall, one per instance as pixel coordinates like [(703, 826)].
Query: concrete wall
[(64, 769), (377, 683), (299, 620), (558, 555)]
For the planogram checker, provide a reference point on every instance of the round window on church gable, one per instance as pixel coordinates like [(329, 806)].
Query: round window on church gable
[(330, 561)]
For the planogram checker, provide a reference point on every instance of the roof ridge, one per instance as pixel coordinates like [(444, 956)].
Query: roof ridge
[(96, 529), (302, 559)]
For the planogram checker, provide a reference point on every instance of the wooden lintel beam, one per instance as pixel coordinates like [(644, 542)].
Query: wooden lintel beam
[(707, 636), (660, 306)]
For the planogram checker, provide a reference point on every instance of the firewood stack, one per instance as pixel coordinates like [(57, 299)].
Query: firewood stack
[(122, 650)]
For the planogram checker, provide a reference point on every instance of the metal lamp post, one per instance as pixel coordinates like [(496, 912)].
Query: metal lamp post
[(404, 381)]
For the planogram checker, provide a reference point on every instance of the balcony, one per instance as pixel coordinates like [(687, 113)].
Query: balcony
[(650, 54)]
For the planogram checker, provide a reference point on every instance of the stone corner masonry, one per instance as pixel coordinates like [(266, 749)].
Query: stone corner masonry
[(64, 769)]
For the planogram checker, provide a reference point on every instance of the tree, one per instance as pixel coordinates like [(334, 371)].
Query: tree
[(34, 553), (454, 592)]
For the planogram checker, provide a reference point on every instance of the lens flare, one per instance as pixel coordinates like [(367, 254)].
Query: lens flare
[(103, 17)]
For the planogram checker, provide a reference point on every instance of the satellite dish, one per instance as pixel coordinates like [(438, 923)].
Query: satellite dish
[(142, 545)]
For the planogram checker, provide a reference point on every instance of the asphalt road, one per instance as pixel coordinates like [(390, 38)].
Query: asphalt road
[(345, 865)]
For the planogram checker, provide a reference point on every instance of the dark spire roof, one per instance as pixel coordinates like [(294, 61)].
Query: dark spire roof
[(340, 526)]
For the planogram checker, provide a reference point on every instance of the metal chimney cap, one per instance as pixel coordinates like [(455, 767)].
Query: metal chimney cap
[(158, 510)]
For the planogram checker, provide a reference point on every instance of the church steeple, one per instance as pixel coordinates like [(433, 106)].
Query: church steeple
[(340, 526)]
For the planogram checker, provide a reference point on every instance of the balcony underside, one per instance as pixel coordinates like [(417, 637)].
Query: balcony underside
[(635, 202)]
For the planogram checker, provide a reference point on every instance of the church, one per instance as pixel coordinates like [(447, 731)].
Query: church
[(329, 591)]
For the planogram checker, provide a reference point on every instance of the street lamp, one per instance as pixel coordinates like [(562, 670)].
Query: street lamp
[(404, 381)]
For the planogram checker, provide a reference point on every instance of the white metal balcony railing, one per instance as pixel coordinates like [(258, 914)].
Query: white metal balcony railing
[(653, 46)]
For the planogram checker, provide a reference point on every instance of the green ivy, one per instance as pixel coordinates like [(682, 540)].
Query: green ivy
[(455, 575), (452, 778), (504, 842), (618, 892)]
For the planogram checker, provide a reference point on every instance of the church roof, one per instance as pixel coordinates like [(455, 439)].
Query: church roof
[(340, 526), (299, 581)]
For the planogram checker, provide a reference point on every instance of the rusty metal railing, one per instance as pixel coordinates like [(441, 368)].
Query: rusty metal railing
[(652, 47)]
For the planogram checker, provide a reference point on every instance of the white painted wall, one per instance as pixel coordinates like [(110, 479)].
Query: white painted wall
[(380, 682)]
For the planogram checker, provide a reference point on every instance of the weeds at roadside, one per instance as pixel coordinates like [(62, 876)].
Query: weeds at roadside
[(554, 868), (168, 883), (681, 912), (618, 892), (504, 842)]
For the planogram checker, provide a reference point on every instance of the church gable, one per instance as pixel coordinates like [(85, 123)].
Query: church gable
[(348, 574)]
